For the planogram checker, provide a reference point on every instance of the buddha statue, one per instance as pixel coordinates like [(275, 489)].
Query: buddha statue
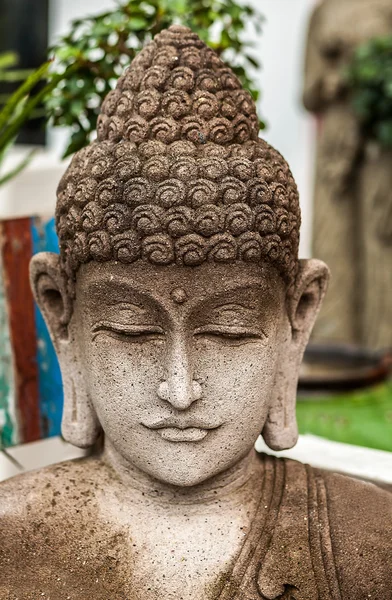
[(180, 312), (353, 182)]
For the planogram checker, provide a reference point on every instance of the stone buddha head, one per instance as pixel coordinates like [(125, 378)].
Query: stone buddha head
[(178, 307)]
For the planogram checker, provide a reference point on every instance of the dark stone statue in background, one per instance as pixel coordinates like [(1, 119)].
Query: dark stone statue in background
[(180, 313), (352, 228)]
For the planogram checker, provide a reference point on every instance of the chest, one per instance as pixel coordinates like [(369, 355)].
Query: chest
[(184, 558)]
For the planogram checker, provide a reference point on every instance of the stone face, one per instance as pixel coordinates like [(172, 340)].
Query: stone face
[(178, 347), (352, 200)]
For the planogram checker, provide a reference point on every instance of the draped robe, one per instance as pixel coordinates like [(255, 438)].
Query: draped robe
[(315, 536)]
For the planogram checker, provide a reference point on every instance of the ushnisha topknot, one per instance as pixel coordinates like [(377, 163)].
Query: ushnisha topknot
[(178, 173)]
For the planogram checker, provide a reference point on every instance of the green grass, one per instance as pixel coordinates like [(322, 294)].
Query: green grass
[(363, 418)]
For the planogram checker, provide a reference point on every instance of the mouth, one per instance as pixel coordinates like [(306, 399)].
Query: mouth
[(176, 433), (189, 434)]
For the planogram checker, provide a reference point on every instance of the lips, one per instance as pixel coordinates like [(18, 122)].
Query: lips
[(190, 434), (173, 431)]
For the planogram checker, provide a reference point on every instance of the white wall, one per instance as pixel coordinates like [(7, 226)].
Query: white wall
[(290, 129), (61, 12)]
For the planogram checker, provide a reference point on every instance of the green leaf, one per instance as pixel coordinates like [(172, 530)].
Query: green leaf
[(5, 149), (100, 29), (67, 52), (21, 92), (136, 23), (77, 107), (79, 139), (369, 76), (388, 88), (178, 7), (255, 63), (8, 133), (384, 133), (8, 59), (16, 75)]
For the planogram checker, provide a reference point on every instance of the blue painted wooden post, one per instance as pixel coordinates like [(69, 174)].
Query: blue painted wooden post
[(28, 410), (8, 422)]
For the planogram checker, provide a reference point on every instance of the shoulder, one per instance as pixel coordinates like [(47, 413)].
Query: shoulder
[(353, 502), (39, 489), (360, 523), (48, 520), (349, 530), (29, 526), (49, 501)]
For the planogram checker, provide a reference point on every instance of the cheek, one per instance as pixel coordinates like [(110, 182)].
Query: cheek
[(122, 376), (238, 379)]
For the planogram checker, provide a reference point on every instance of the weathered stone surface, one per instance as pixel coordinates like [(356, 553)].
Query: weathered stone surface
[(178, 346), (353, 199)]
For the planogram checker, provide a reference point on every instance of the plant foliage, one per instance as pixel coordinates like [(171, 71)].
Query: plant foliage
[(100, 47), (21, 106), (369, 77), (363, 417)]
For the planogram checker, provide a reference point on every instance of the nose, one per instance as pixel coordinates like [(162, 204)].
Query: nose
[(179, 388), (180, 396)]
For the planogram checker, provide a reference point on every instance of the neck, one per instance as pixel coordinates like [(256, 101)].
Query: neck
[(223, 486)]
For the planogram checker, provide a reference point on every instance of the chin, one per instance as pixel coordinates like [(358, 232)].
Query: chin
[(183, 477), (190, 470), (183, 473)]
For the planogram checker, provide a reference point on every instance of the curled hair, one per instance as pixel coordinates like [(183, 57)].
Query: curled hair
[(158, 249), (191, 250), (178, 174)]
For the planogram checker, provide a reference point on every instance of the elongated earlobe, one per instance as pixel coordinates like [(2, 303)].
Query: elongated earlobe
[(280, 430), (80, 425)]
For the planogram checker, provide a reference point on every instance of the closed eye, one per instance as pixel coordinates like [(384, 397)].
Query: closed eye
[(230, 334), (137, 333)]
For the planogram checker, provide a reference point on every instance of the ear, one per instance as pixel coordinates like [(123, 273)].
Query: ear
[(80, 425), (303, 304)]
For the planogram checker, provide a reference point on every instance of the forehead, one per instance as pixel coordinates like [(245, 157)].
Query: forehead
[(172, 285)]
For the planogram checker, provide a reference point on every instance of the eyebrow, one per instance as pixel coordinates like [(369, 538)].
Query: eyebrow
[(140, 303), (231, 306), (124, 305), (236, 289), (122, 289), (223, 306)]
